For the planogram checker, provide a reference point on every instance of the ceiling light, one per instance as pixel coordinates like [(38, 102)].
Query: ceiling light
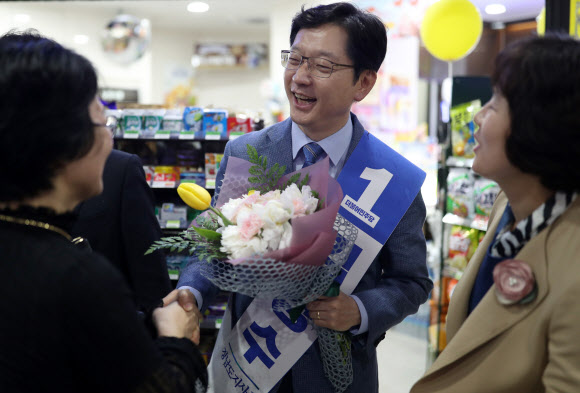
[(494, 9), (81, 39), (21, 19), (197, 6)]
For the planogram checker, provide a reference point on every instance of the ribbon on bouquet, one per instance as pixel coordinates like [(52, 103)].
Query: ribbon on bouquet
[(379, 185)]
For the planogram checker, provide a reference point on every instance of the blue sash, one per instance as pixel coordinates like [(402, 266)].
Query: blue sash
[(379, 185)]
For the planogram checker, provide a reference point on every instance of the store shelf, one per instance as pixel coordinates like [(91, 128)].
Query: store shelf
[(210, 138), (211, 323), (459, 162), (477, 222)]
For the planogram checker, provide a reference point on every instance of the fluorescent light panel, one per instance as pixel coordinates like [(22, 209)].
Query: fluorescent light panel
[(495, 9), (197, 6)]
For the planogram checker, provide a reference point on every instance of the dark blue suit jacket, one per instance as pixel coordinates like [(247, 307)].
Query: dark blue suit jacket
[(120, 224), (394, 286)]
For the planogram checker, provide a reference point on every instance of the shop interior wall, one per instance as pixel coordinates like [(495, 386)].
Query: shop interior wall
[(169, 49)]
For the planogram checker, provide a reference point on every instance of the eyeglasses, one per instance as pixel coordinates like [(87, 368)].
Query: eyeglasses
[(317, 66)]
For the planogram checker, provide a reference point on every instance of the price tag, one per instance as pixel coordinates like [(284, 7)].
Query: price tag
[(173, 224)]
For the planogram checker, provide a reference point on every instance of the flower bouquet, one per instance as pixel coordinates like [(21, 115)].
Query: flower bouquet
[(274, 236)]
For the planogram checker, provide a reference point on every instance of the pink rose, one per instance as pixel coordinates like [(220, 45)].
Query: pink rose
[(514, 282), (250, 224)]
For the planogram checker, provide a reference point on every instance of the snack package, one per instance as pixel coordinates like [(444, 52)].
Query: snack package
[(192, 123), (463, 128), (215, 124), (462, 244), (460, 192), (485, 191), (238, 125)]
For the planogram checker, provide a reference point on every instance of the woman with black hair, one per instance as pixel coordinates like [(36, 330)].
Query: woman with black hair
[(514, 316), (68, 323)]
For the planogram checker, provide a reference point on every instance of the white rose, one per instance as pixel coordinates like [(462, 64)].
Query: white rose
[(233, 245), (286, 237), (231, 240), (230, 209), (273, 212), (272, 236), (310, 202)]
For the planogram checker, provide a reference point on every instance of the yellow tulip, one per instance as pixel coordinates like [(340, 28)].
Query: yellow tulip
[(195, 196)]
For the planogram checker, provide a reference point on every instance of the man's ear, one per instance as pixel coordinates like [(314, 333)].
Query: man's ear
[(365, 83)]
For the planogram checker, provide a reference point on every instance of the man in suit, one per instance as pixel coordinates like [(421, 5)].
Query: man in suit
[(336, 51), (120, 224)]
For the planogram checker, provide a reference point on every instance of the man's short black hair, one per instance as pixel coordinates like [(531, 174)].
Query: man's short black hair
[(367, 36), (540, 78), (45, 93)]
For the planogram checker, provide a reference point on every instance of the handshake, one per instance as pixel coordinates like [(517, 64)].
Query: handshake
[(179, 317)]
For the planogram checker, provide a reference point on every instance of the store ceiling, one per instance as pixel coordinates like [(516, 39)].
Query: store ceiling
[(516, 10), (241, 14)]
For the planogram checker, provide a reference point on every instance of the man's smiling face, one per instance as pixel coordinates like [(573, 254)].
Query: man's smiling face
[(321, 106)]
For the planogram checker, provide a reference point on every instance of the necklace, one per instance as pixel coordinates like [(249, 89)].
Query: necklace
[(34, 223)]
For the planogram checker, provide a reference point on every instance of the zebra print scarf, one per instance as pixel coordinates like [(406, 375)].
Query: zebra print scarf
[(509, 243)]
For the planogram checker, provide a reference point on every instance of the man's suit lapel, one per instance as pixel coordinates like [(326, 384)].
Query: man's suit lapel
[(278, 145), (489, 319)]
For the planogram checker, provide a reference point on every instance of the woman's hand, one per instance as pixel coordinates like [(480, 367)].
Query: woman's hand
[(173, 321)]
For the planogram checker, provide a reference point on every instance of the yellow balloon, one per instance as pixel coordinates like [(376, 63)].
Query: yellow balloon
[(541, 22), (451, 29)]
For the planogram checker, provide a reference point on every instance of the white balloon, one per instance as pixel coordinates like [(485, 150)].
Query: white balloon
[(126, 38)]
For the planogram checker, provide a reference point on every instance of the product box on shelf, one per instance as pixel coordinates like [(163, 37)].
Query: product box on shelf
[(172, 124), (215, 124), (238, 125), (165, 177), (192, 177), (175, 264), (172, 216), (212, 165), (149, 173), (132, 123), (117, 128), (152, 121), (192, 123)]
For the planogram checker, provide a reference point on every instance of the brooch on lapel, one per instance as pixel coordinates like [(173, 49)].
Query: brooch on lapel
[(514, 282)]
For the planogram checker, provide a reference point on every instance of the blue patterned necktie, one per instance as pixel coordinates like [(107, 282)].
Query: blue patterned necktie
[(312, 153)]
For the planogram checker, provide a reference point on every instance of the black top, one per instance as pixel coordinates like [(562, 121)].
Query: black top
[(68, 322), (120, 224)]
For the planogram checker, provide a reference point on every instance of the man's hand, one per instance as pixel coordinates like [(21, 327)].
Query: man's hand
[(338, 313), (187, 301)]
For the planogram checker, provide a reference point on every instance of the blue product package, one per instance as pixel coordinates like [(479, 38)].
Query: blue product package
[(192, 123), (215, 124)]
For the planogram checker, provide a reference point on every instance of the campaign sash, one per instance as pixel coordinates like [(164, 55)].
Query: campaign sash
[(379, 185)]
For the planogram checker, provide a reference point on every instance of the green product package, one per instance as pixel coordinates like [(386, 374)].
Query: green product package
[(463, 128), (460, 192), (485, 191)]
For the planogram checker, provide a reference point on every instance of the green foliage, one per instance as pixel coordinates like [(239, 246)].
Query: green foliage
[(210, 222), (208, 233), (190, 242), (264, 179)]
